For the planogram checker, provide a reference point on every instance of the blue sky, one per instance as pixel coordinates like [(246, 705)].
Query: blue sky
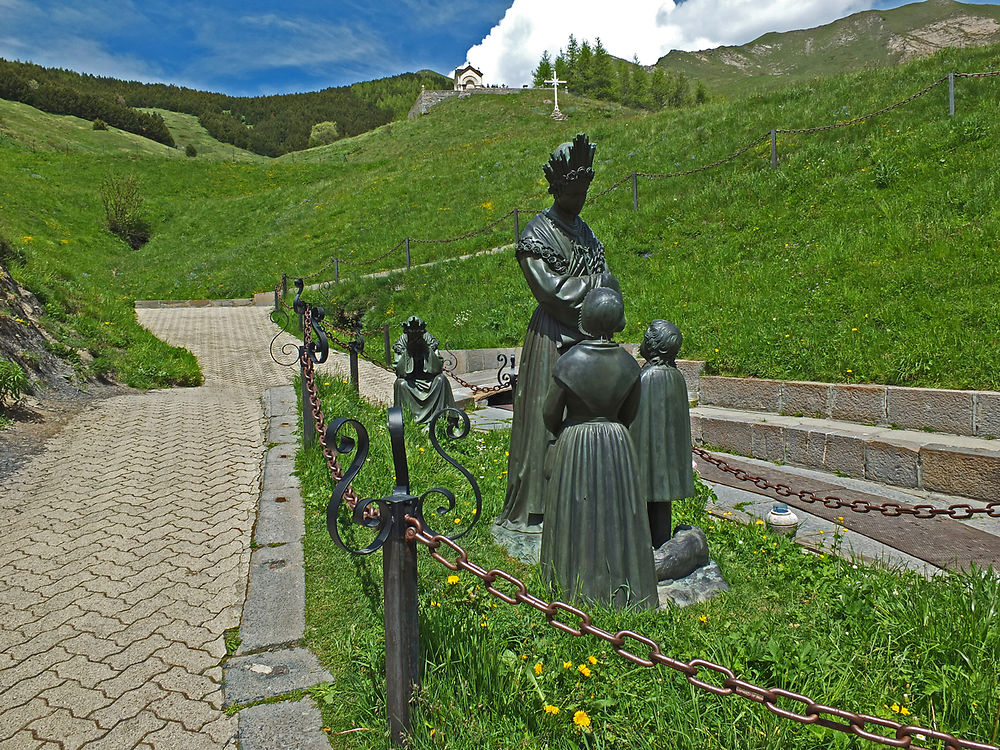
[(250, 47)]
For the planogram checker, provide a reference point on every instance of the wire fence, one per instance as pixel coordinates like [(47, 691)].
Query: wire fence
[(771, 135)]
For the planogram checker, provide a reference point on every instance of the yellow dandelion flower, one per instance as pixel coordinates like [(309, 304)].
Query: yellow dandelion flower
[(592, 659), (584, 670), (567, 665), (703, 618), (538, 668), (452, 580), (581, 719), (550, 709), (458, 520)]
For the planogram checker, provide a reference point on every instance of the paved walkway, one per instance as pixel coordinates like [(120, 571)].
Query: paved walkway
[(126, 550)]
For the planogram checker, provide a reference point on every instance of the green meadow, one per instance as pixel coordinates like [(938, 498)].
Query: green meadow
[(868, 256)]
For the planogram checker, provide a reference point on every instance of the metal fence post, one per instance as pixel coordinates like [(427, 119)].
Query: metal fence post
[(635, 191), (276, 305), (354, 349), (402, 641), (774, 148), (517, 227), (951, 94), (388, 349), (284, 284), (407, 253), (336, 269)]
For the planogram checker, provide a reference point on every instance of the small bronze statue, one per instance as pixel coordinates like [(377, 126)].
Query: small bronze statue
[(562, 261), (661, 431), (421, 387), (595, 539)]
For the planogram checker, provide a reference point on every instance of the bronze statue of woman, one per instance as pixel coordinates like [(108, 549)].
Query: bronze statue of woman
[(595, 541), (562, 261)]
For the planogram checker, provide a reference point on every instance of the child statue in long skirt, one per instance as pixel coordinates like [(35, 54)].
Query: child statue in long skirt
[(661, 431), (595, 539)]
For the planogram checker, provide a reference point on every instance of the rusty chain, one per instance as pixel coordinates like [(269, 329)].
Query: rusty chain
[(723, 160), (465, 236), (347, 347), (319, 419), (475, 388), (958, 511), (626, 643), (386, 254), (856, 120)]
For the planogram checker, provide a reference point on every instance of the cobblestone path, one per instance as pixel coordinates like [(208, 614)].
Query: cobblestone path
[(125, 550)]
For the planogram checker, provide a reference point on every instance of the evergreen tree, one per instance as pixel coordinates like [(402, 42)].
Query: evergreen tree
[(602, 73), (543, 72)]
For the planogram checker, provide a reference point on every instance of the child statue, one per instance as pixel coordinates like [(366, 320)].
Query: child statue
[(661, 431), (595, 539), (421, 386)]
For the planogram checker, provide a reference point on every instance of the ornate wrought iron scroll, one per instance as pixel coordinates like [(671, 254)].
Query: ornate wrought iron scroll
[(506, 379), (375, 513)]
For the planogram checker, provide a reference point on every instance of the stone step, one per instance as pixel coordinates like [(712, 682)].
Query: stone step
[(936, 462)]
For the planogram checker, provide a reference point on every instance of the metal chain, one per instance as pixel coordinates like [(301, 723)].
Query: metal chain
[(958, 511), (870, 115), (734, 155), (465, 236), (987, 74), (319, 419), (475, 388), (386, 254), (579, 623)]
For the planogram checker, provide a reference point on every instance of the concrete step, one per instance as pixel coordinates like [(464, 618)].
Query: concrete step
[(909, 459)]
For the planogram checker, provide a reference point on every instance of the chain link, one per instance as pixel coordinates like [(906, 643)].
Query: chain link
[(812, 712), (475, 388), (465, 236), (723, 160), (958, 511)]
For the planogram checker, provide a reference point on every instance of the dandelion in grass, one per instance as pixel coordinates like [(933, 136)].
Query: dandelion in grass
[(452, 580), (458, 520), (581, 719), (550, 709), (592, 659), (703, 618), (898, 709), (539, 668), (567, 665), (759, 522), (327, 382), (584, 670)]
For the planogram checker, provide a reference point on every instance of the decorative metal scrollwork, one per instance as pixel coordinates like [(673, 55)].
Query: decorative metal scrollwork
[(363, 513), (357, 344), (289, 349), (506, 379), (318, 347), (453, 432), (380, 514), (449, 360)]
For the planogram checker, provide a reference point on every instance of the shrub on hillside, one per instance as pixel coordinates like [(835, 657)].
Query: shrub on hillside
[(13, 382), (190, 150), (123, 209), (323, 133), (99, 124)]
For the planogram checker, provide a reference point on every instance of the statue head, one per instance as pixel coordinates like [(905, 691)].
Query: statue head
[(414, 326), (602, 314), (569, 171), (661, 343)]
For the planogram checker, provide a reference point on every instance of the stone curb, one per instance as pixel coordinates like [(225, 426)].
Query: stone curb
[(274, 612), (168, 304)]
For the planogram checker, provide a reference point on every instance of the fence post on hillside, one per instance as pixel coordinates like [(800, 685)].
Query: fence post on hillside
[(284, 284), (517, 227), (951, 94), (355, 348), (336, 269), (407, 253), (388, 349), (635, 191), (774, 148), (308, 423)]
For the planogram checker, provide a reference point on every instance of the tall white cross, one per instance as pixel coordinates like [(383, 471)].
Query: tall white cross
[(555, 90)]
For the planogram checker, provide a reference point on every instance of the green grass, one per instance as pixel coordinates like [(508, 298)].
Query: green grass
[(187, 131), (892, 220), (851, 636)]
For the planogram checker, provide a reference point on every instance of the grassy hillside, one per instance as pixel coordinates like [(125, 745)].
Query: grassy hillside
[(187, 131), (886, 227), (862, 40)]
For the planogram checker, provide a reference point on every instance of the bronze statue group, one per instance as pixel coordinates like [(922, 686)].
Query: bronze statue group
[(599, 448)]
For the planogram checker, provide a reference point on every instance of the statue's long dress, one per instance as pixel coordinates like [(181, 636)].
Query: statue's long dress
[(595, 539), (561, 263), (421, 386), (661, 433)]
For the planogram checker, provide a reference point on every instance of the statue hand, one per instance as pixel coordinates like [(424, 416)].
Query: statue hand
[(607, 280)]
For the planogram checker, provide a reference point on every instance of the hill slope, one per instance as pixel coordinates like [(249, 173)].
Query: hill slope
[(868, 256), (863, 40)]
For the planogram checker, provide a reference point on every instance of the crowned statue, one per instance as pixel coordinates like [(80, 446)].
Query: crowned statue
[(562, 261), (421, 387)]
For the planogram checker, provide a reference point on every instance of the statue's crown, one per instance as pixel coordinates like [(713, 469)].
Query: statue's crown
[(571, 161)]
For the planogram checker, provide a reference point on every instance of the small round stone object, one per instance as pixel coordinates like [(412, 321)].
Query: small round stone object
[(781, 520)]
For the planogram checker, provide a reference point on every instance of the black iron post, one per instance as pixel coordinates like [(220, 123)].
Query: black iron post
[(517, 227), (774, 148), (308, 423), (284, 284), (399, 555), (388, 349), (407, 253), (635, 191), (951, 94), (336, 269), (355, 348)]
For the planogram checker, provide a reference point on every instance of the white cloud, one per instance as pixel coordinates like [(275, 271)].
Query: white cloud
[(647, 28)]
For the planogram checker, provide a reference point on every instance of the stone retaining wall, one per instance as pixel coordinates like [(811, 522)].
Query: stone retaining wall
[(427, 99)]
